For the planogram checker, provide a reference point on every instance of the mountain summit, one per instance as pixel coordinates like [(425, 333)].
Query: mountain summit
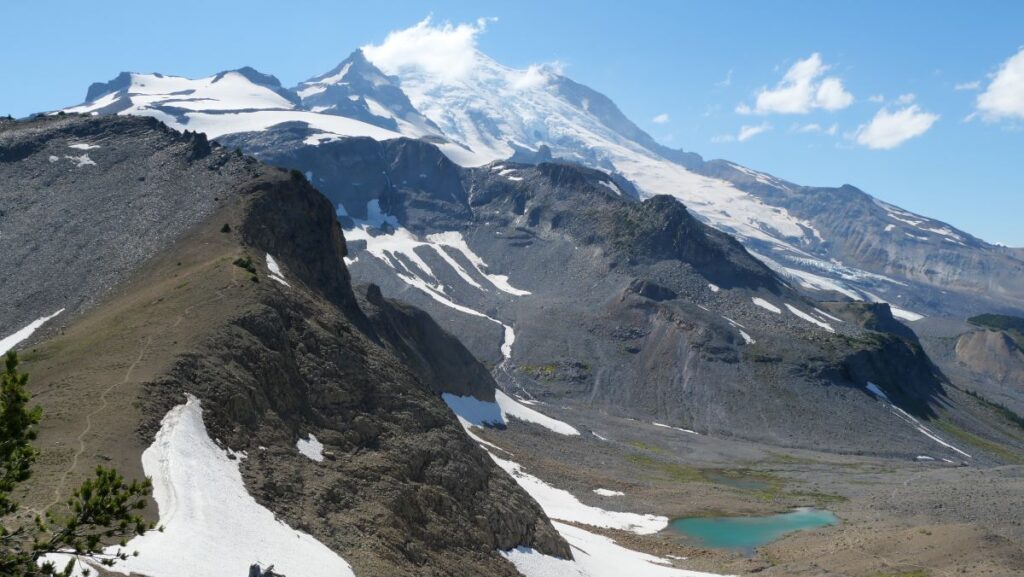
[(826, 241)]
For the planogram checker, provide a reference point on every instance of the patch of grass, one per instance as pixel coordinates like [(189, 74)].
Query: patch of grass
[(982, 443), (998, 408), (543, 372), (645, 447), (246, 263), (818, 497), (675, 472), (794, 460), (762, 485)]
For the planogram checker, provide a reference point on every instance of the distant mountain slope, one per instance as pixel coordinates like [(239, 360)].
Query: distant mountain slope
[(840, 241), (574, 291)]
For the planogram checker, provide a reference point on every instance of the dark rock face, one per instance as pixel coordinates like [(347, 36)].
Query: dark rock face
[(434, 355), (403, 490), (872, 316), (621, 313)]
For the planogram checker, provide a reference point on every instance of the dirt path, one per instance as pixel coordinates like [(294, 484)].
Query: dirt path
[(59, 488)]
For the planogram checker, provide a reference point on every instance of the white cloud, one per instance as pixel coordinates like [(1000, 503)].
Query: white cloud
[(661, 118), (815, 128), (906, 98), (1004, 96), (727, 81), (801, 90), (750, 131), (747, 131), (446, 51), (876, 98), (972, 85), (890, 129), (534, 76)]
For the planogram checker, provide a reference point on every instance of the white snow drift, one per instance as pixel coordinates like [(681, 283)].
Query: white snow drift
[(311, 448), (484, 413), (594, 556), (212, 525), (7, 343)]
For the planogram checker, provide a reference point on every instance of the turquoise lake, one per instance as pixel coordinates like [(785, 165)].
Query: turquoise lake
[(748, 533)]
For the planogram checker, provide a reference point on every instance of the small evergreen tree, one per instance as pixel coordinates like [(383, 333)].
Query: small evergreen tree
[(103, 510)]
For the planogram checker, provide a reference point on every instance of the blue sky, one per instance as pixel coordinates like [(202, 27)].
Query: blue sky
[(697, 65)]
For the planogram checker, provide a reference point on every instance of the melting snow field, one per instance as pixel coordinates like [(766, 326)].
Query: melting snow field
[(664, 426), (8, 343), (880, 395), (311, 448), (212, 525), (81, 160), (275, 271), (473, 411), (563, 505), (512, 408), (594, 556), (484, 413), (809, 318), (608, 493), (397, 249), (905, 314), (766, 305)]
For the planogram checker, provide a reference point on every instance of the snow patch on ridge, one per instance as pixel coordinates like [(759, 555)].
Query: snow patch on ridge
[(809, 318), (212, 525), (7, 343), (664, 426), (766, 305), (275, 271), (477, 413), (511, 408), (311, 448)]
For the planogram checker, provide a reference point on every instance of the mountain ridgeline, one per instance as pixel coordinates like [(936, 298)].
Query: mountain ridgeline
[(223, 279), (829, 241)]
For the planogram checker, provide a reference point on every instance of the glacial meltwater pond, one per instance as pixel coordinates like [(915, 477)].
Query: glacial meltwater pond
[(748, 533)]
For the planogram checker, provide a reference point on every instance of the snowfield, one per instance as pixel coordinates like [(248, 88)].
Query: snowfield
[(311, 448), (275, 271), (212, 525), (9, 342), (766, 305), (479, 413), (563, 505), (594, 556), (396, 246)]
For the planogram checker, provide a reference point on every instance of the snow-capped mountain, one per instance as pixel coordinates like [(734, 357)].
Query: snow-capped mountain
[(841, 241)]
